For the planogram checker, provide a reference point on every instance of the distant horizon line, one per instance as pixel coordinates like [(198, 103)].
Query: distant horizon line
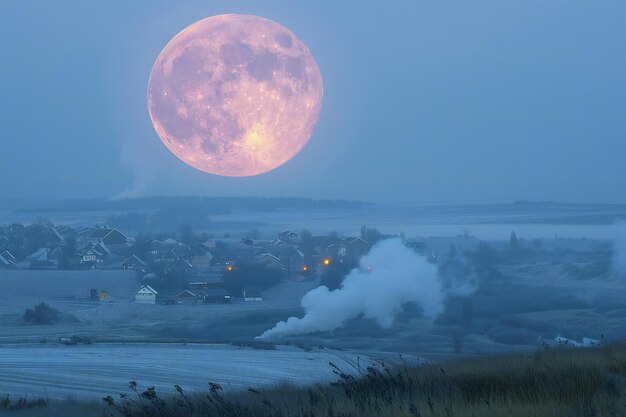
[(32, 201)]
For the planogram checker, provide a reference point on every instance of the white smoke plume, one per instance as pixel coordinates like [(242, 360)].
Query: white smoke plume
[(390, 276), (141, 182), (619, 249), (143, 171)]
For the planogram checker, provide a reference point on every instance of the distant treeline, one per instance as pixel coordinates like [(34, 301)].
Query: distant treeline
[(170, 213), (208, 205)]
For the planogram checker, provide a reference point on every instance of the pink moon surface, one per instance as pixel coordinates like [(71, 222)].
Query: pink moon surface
[(235, 95)]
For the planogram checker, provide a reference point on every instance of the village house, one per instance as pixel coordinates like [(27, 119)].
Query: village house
[(4, 243), (289, 236), (133, 262), (189, 297), (356, 248), (93, 255), (292, 259), (56, 255), (16, 228), (209, 281), (99, 295), (115, 240), (202, 258), (216, 295), (252, 294), (336, 251), (50, 236), (7, 260), (319, 244), (39, 260), (146, 295), (270, 260)]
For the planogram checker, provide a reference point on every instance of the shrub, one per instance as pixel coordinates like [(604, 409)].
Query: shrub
[(42, 313)]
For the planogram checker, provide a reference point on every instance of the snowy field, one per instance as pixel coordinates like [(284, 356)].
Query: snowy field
[(85, 371), (120, 319)]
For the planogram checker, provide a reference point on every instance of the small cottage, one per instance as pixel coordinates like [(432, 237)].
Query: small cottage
[(146, 295)]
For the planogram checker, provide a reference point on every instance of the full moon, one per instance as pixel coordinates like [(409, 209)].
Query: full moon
[(235, 95)]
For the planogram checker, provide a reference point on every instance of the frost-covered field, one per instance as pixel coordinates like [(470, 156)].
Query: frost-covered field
[(120, 319), (105, 369)]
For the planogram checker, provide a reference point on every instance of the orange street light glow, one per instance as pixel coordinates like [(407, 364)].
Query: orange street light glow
[(326, 262), (305, 268)]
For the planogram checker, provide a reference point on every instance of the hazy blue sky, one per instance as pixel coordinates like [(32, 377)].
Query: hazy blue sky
[(424, 101)]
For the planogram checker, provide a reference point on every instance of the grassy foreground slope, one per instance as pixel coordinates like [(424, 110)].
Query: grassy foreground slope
[(559, 382)]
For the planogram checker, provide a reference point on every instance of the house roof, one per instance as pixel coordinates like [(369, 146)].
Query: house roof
[(40, 254), (100, 233), (186, 294), (56, 250), (287, 250), (97, 246), (146, 289), (207, 279), (200, 249), (56, 234), (103, 233), (181, 263), (7, 255), (4, 261), (134, 258), (216, 292), (171, 241)]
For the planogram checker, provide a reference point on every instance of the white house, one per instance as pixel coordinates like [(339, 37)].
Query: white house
[(146, 295)]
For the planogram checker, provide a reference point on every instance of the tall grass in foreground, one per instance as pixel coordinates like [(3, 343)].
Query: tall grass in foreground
[(560, 382), (549, 383)]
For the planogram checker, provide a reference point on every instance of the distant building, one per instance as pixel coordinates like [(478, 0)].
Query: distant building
[(190, 297), (209, 281), (289, 236), (146, 295), (7, 260), (216, 295), (252, 294), (92, 256), (56, 255), (39, 260), (104, 296), (356, 248), (133, 262), (336, 251), (270, 260), (292, 259), (110, 237), (202, 258)]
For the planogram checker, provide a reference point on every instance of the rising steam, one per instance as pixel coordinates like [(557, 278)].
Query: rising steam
[(142, 167), (390, 276)]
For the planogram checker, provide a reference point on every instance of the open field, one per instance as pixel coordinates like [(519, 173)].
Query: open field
[(121, 319), (549, 383), (94, 371)]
